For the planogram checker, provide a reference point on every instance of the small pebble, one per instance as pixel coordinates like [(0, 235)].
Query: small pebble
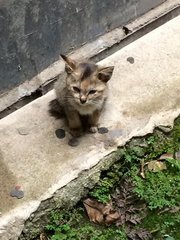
[(60, 133), (17, 193), (102, 130), (73, 142), (130, 60)]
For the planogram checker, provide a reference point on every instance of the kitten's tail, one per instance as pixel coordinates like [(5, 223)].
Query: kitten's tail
[(56, 110)]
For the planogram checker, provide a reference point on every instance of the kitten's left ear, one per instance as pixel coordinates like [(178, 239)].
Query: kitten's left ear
[(105, 73)]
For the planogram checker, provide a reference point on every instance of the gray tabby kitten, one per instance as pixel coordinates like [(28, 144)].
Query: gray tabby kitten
[(82, 93)]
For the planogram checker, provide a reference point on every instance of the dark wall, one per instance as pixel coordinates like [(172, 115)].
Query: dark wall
[(34, 32)]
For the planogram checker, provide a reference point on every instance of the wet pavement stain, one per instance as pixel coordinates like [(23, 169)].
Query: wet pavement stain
[(73, 142), (130, 60), (102, 130), (60, 133), (17, 192)]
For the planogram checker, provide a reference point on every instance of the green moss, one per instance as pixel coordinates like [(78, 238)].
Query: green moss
[(107, 184), (162, 224), (158, 190), (74, 225)]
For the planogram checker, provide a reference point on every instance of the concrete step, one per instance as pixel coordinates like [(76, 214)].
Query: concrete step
[(144, 93)]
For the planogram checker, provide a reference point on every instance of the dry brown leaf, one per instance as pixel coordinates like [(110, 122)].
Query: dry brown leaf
[(107, 208), (139, 234), (177, 154), (166, 155), (94, 210), (174, 210), (112, 217), (100, 213), (43, 236), (156, 166), (142, 169)]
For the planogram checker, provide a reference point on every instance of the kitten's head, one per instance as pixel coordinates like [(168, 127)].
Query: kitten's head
[(86, 81)]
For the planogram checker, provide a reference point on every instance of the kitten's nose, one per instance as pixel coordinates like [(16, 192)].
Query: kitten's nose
[(82, 100)]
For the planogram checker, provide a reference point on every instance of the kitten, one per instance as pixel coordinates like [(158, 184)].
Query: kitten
[(82, 93)]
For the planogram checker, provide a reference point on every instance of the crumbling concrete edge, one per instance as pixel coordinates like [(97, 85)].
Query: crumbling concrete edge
[(27, 221), (32, 218), (90, 50)]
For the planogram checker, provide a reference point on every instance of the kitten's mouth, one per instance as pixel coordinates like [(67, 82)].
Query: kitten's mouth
[(83, 103)]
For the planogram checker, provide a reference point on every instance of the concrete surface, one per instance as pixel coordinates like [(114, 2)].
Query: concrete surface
[(34, 32), (143, 94), (100, 48)]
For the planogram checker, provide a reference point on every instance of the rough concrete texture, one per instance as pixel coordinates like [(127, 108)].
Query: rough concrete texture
[(144, 93)]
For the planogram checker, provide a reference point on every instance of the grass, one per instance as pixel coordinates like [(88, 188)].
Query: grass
[(160, 190), (163, 224), (74, 225)]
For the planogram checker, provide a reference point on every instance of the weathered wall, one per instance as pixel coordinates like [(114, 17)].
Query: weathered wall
[(34, 32)]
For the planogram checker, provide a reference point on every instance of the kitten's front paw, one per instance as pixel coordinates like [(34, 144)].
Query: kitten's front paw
[(93, 129), (76, 132)]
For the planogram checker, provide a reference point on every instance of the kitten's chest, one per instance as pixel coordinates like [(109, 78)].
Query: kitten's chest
[(85, 110)]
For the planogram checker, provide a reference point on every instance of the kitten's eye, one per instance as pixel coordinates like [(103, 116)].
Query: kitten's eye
[(76, 89), (92, 91)]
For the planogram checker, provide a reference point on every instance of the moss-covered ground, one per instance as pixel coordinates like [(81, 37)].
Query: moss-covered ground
[(158, 191)]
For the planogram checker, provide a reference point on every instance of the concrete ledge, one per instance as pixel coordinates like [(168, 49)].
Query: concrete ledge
[(143, 95)]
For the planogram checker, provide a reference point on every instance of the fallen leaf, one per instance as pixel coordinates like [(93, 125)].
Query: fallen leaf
[(143, 234), (139, 234), (142, 169), (107, 208), (156, 166), (167, 237), (166, 155), (127, 204), (100, 213), (171, 210), (177, 155), (43, 236), (112, 217), (94, 210), (135, 219), (174, 210)]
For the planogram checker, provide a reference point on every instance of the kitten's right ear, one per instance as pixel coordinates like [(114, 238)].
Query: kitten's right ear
[(105, 73), (70, 64)]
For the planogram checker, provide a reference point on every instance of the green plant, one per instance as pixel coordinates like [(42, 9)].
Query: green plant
[(102, 191), (73, 225), (159, 145), (159, 189), (163, 224)]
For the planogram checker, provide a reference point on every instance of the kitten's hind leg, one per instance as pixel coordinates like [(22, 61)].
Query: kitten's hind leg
[(74, 122), (93, 121)]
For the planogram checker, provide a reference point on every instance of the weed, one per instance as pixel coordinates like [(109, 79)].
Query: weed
[(158, 190), (107, 184), (162, 224), (73, 225)]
